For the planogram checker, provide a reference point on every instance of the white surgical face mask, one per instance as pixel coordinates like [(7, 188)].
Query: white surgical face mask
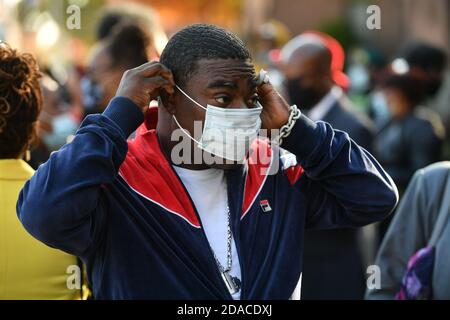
[(63, 126), (380, 107), (227, 133)]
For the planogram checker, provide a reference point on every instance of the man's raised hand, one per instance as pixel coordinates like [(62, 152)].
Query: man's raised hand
[(142, 84)]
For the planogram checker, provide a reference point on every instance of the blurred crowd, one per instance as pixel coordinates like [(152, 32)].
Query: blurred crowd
[(396, 107)]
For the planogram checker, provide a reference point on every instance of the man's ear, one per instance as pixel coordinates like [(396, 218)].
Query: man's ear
[(168, 101)]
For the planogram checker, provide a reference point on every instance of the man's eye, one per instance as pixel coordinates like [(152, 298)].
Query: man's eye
[(223, 100)]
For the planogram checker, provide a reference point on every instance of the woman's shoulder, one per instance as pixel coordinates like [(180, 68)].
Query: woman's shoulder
[(435, 170), (434, 179)]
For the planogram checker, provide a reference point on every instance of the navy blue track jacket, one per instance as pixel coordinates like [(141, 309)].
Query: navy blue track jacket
[(121, 207)]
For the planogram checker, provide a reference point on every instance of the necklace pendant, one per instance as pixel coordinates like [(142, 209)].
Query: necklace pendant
[(228, 279)]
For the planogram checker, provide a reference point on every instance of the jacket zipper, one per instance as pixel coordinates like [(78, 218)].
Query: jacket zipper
[(236, 234)]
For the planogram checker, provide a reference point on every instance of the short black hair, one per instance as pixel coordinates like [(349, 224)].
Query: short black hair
[(107, 23), (127, 45), (200, 41), (410, 86), (425, 56)]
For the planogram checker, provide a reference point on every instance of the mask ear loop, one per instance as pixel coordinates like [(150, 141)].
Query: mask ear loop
[(185, 131), (178, 124), (186, 95)]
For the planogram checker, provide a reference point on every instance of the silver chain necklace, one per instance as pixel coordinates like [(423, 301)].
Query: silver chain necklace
[(233, 284)]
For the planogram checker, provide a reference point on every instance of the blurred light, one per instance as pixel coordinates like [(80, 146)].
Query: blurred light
[(80, 3), (10, 3), (400, 66), (47, 33), (60, 73), (160, 41), (275, 55), (49, 84)]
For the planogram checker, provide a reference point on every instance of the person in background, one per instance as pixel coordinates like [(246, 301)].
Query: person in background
[(412, 138), (310, 84), (29, 269), (365, 66), (143, 37), (429, 63), (57, 122), (143, 16), (337, 57), (125, 48), (423, 211), (316, 86), (270, 38)]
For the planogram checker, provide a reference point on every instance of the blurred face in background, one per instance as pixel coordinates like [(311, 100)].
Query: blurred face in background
[(56, 122), (403, 92), (307, 78), (398, 104), (101, 81)]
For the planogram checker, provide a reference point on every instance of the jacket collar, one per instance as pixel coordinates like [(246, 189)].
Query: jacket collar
[(147, 171)]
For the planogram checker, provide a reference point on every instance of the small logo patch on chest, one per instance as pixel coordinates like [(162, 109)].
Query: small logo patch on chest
[(265, 206)]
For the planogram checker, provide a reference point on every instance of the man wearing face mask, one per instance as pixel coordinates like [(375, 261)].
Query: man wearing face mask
[(150, 226), (310, 84)]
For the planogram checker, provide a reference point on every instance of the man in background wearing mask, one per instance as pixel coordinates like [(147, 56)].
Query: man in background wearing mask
[(311, 84), (150, 226), (333, 264)]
